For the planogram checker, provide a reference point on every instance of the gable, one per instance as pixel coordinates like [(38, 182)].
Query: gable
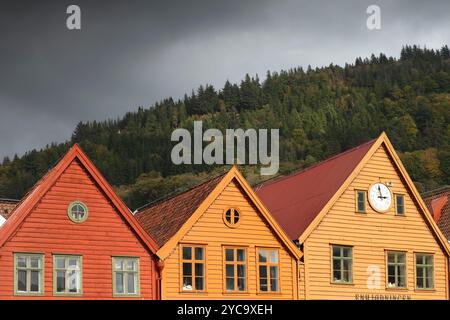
[(48, 225), (409, 232), (297, 199)]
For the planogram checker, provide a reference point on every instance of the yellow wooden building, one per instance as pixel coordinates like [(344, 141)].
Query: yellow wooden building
[(363, 228), (217, 241)]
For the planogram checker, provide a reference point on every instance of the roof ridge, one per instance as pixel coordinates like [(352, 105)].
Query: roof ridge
[(299, 171), (437, 191), (175, 194), (9, 200)]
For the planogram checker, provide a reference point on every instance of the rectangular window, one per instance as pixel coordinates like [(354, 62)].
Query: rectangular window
[(125, 276), (360, 201), (29, 274), (193, 268), (424, 271), (269, 270), (235, 269), (400, 204), (342, 264), (396, 270), (67, 275)]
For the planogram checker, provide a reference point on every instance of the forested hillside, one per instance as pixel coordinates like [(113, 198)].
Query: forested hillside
[(320, 112)]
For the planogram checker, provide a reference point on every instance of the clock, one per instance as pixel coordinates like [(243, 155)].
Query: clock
[(380, 197)]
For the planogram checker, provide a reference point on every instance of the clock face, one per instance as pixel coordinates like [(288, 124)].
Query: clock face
[(380, 197)]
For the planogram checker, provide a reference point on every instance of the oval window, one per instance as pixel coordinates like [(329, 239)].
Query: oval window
[(77, 212), (232, 217)]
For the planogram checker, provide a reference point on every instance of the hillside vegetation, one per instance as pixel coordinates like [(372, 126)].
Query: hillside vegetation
[(320, 112)]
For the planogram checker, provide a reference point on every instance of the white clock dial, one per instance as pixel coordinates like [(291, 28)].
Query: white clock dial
[(380, 197)]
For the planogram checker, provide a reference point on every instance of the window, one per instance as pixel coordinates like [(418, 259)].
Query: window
[(29, 274), (269, 270), (424, 271), (67, 275), (125, 276), (77, 212), (396, 270), (400, 204), (232, 217), (193, 268), (360, 201), (235, 269), (342, 264)]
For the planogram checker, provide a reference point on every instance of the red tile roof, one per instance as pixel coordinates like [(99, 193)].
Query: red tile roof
[(7, 206), (295, 200), (438, 202), (162, 219)]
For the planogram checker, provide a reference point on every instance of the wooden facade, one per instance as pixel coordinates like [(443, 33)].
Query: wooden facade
[(46, 255), (206, 228), (381, 245)]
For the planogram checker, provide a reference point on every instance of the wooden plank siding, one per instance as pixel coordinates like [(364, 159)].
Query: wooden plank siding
[(48, 230), (371, 234), (210, 230)]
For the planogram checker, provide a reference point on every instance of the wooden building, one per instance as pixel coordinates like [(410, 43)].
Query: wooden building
[(71, 237), (217, 241), (364, 230)]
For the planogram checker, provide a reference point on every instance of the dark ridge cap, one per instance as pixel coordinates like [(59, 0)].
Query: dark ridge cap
[(436, 191)]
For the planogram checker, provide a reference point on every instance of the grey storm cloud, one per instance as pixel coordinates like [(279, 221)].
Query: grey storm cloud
[(134, 53)]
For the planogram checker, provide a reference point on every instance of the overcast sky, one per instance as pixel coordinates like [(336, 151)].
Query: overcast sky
[(134, 53)]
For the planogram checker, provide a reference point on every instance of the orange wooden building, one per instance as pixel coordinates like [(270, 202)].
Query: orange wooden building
[(71, 237), (217, 241), (364, 230)]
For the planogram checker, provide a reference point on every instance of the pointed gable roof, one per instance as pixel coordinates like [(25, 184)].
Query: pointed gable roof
[(29, 201), (295, 200), (181, 212), (343, 168), (162, 219)]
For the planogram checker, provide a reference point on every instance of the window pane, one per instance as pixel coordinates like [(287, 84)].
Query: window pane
[(262, 256), (401, 258), (229, 254), (21, 280), (199, 268), (240, 255), (187, 253), (241, 270), (420, 283), (199, 254), (60, 263), (73, 263), (263, 285), (262, 271), (131, 283), (60, 281), (273, 284), (236, 217), (229, 270), (391, 257), (347, 252), (199, 283), (230, 284), (241, 284), (21, 262), (274, 256), (73, 281), (347, 264), (119, 282), (273, 272), (336, 264), (131, 264), (336, 251), (34, 262), (187, 283), (187, 269), (34, 281), (118, 264), (336, 275)]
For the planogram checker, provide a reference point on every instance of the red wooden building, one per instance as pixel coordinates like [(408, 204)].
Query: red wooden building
[(71, 237)]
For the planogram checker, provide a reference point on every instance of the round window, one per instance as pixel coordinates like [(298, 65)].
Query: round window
[(77, 212), (232, 217)]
